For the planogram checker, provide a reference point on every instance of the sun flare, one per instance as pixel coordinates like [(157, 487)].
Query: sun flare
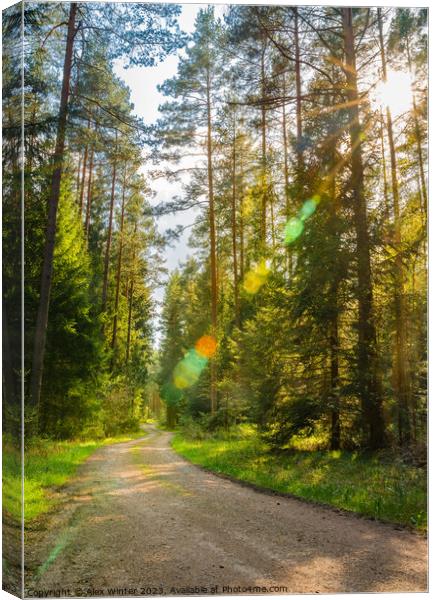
[(396, 93)]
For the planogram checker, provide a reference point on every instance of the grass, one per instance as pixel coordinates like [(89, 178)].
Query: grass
[(48, 465), (387, 490)]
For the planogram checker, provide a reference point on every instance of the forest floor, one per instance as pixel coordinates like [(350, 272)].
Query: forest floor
[(138, 519)]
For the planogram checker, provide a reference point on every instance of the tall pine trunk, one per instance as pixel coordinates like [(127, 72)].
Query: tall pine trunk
[(109, 233), (299, 150), (401, 342), (40, 335), (119, 265), (89, 192), (234, 227), (83, 175), (213, 247), (286, 171), (264, 181), (130, 303), (418, 141), (367, 360), (335, 440)]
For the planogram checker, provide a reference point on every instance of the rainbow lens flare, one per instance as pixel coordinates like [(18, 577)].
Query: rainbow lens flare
[(188, 370)]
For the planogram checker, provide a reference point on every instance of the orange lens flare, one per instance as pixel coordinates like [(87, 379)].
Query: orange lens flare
[(188, 370), (206, 346)]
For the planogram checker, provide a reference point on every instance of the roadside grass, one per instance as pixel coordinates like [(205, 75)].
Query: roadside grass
[(48, 465), (376, 486)]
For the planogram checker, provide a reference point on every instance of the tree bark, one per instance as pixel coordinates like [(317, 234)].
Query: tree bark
[(109, 233), (299, 149), (418, 142), (383, 162), (130, 312), (130, 305), (264, 182), (78, 181), (234, 227), (401, 342), (367, 360), (83, 176), (89, 192), (40, 335), (335, 441), (213, 250), (119, 265)]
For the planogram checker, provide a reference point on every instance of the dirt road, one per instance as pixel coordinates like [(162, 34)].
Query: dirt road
[(142, 520)]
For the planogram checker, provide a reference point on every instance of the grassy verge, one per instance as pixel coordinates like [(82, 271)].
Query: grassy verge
[(371, 486), (48, 464)]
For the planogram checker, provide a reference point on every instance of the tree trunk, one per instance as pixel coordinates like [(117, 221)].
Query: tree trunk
[(89, 192), (213, 251), (130, 312), (335, 440), (383, 162), (334, 376), (10, 395), (401, 342), (119, 265), (418, 142), (286, 172), (299, 149), (264, 182), (241, 221), (234, 228), (367, 361), (83, 176), (77, 184), (109, 233), (130, 304), (40, 335), (171, 416)]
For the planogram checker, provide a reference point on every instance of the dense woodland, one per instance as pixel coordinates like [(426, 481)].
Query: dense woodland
[(302, 308)]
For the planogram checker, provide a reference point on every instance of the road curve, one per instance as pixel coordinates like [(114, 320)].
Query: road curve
[(138, 519)]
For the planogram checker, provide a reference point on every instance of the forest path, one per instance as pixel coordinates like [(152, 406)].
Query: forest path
[(139, 516)]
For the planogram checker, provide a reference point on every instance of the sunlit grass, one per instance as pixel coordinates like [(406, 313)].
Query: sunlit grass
[(48, 465), (390, 491)]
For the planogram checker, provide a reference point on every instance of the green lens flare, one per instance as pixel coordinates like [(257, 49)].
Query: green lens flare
[(293, 229), (188, 370), (308, 208)]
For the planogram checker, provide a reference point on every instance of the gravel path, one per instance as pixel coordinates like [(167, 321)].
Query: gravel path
[(138, 519)]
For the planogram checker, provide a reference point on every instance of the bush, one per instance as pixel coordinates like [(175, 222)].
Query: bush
[(118, 413)]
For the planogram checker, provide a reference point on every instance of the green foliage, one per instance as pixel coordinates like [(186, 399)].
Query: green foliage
[(69, 395)]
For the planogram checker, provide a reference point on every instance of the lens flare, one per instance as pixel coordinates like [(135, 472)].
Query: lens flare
[(188, 370), (293, 229), (309, 207), (295, 226), (256, 277), (206, 346)]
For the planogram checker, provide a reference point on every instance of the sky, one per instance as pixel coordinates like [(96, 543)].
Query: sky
[(143, 82)]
